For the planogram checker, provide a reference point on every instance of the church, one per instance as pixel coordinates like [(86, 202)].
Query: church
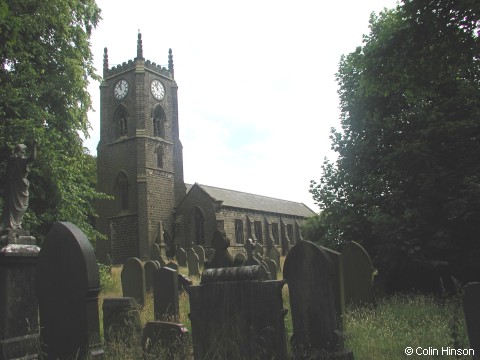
[(140, 165)]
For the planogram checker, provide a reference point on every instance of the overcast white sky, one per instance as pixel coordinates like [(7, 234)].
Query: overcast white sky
[(257, 90)]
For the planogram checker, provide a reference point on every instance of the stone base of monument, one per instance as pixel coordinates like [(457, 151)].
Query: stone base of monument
[(16, 236), (236, 314), (19, 328)]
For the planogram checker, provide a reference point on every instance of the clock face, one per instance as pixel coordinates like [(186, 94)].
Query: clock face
[(157, 89), (121, 89)]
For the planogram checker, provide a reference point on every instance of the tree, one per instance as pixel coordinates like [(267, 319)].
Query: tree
[(406, 182), (46, 64)]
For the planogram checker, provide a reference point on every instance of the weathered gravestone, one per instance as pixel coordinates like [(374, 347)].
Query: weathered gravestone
[(68, 283), (471, 309), (133, 280), (200, 251), (181, 256), (165, 340), (183, 282), (156, 254), (357, 275), (309, 274), (149, 268), (222, 257), (18, 304), (239, 259), (165, 294), (274, 254), (121, 320), (236, 315), (171, 265), (193, 263), (258, 249), (264, 264), (272, 268), (338, 286), (209, 254)]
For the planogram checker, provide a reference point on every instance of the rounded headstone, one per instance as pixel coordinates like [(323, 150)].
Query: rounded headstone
[(133, 280), (68, 282), (309, 274), (357, 275), (149, 268)]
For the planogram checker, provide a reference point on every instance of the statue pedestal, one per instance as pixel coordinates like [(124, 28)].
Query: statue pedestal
[(19, 237), (19, 328)]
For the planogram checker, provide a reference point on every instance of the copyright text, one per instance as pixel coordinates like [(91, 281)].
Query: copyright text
[(434, 351)]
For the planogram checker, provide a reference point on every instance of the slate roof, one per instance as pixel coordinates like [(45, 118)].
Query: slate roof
[(243, 200)]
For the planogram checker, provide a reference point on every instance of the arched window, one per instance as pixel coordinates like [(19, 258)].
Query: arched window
[(121, 120), (160, 157), (199, 222), (121, 190), (159, 122)]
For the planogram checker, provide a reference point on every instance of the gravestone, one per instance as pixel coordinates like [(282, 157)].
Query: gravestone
[(258, 249), (200, 251), (357, 275), (156, 254), (235, 314), (165, 340), (239, 259), (272, 268), (149, 268), (338, 285), (133, 280), (68, 283), (309, 274), (183, 282), (121, 320), (209, 254), (181, 256), (471, 309), (165, 294), (222, 257), (274, 254), (257, 257), (192, 263), (172, 265)]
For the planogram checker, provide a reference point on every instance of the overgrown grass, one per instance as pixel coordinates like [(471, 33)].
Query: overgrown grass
[(382, 332), (418, 321)]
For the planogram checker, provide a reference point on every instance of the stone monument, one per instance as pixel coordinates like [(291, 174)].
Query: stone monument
[(19, 327), (236, 314)]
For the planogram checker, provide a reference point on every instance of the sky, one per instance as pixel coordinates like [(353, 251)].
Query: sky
[(257, 92)]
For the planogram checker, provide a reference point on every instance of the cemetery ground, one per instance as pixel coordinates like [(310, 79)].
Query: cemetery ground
[(423, 322)]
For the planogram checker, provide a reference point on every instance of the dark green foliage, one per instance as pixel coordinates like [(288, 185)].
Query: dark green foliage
[(45, 66), (406, 183), (316, 229)]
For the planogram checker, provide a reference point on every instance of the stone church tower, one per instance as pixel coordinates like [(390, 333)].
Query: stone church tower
[(139, 156)]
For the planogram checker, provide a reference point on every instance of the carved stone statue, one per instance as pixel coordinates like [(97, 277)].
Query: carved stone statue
[(15, 187)]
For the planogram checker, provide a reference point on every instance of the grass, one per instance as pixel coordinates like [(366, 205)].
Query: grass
[(381, 332), (418, 321)]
